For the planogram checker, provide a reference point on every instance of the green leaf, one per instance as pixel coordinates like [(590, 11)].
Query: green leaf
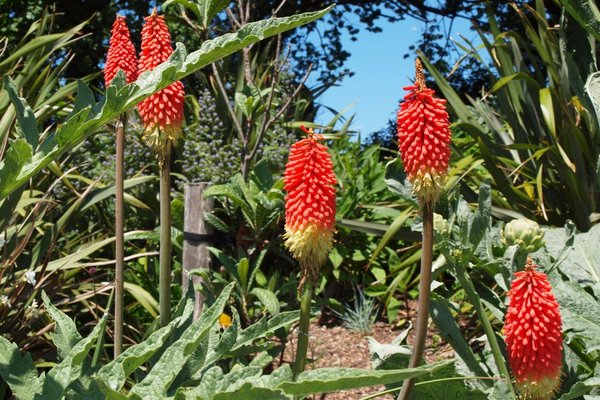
[(481, 219), (243, 268), (268, 299), (65, 335), (386, 356), (159, 379), (516, 76), (206, 389), (586, 13), (68, 371), (114, 374), (395, 179), (143, 297), (85, 97), (450, 331), (326, 380), (18, 371), (265, 327), (17, 156), (98, 195), (439, 388), (250, 392), (27, 124), (592, 88), (580, 315), (582, 263)]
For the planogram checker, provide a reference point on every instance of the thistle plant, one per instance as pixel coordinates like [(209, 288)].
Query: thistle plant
[(424, 139), (533, 334), (309, 221), (121, 56), (162, 114)]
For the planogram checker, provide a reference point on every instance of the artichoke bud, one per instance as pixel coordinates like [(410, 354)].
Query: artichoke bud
[(525, 233)]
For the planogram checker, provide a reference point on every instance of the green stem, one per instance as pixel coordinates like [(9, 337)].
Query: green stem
[(165, 240), (465, 281), (302, 348), (119, 234), (424, 295)]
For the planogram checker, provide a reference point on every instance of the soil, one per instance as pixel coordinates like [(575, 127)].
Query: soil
[(332, 345)]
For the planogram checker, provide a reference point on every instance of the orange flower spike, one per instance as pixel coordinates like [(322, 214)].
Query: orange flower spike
[(309, 203), (533, 335), (121, 53), (162, 113), (424, 138)]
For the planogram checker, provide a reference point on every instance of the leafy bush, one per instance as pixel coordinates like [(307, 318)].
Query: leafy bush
[(184, 360)]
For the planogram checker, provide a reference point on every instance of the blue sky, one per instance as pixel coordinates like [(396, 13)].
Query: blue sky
[(380, 73)]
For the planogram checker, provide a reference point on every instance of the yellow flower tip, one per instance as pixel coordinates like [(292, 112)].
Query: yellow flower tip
[(158, 139), (541, 389), (310, 245), (427, 185)]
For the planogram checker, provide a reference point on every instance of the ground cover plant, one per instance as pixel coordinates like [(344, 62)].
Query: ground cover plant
[(483, 217)]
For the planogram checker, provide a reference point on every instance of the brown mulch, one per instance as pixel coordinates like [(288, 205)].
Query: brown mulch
[(332, 345)]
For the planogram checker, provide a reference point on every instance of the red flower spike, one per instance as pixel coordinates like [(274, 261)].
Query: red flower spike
[(162, 112), (533, 334), (309, 203), (424, 138), (121, 53)]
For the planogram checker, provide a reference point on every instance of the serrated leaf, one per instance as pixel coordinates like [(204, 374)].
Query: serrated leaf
[(27, 124), (17, 156), (206, 389), (250, 392), (114, 374), (18, 371), (580, 315), (325, 380), (439, 388), (159, 379), (263, 327), (68, 371), (85, 97), (581, 261), (65, 335)]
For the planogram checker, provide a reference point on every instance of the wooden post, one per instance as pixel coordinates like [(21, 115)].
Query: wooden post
[(195, 232)]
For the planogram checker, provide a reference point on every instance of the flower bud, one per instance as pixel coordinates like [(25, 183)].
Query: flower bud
[(440, 224), (525, 233)]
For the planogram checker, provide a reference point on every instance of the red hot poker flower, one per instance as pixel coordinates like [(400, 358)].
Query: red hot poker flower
[(121, 53), (309, 203), (533, 334), (424, 138), (162, 112)]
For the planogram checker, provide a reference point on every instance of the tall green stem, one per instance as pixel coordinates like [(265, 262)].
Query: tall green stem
[(302, 348), (465, 281), (165, 239), (119, 234), (424, 296)]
